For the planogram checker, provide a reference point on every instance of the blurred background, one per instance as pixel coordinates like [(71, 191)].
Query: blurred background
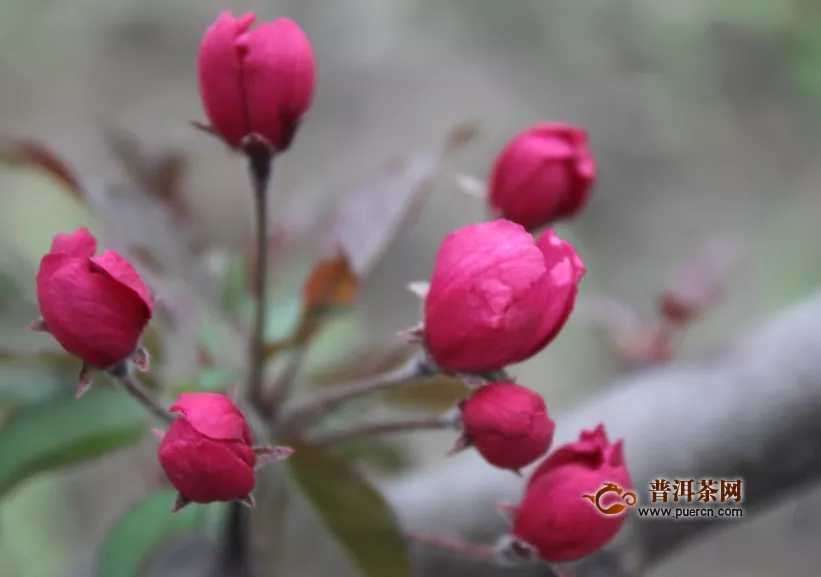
[(703, 116)]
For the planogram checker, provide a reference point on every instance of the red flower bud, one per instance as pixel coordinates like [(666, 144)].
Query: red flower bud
[(496, 297), (558, 515), (545, 174), (258, 81), (508, 424), (207, 452), (95, 306)]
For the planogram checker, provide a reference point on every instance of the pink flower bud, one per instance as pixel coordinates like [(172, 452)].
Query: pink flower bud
[(508, 424), (496, 297), (545, 174), (558, 515), (207, 452), (258, 81), (95, 306)]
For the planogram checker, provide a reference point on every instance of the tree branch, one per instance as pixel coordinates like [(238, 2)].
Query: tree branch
[(137, 390), (446, 420), (753, 412), (260, 168), (300, 417)]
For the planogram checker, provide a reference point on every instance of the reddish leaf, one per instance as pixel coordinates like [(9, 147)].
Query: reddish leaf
[(131, 218), (23, 152), (373, 214), (635, 339), (699, 282), (611, 314), (645, 347), (160, 174), (332, 285)]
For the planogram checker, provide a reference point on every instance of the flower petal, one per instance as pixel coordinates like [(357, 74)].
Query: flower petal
[(80, 243), (278, 74), (120, 270), (220, 77), (473, 318), (214, 415)]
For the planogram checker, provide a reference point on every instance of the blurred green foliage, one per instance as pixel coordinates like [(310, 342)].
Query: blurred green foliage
[(142, 529), (353, 511), (62, 431)]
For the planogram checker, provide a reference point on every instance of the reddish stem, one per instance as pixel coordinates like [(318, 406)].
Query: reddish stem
[(457, 546), (303, 416), (428, 422)]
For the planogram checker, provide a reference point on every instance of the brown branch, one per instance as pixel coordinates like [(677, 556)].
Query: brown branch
[(463, 547), (281, 387), (137, 390), (425, 423), (303, 416), (260, 168)]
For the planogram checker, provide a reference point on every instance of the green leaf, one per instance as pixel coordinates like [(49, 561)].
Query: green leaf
[(142, 530), (66, 430), (354, 512)]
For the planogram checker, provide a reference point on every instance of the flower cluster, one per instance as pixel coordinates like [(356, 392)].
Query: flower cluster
[(498, 295), (96, 308)]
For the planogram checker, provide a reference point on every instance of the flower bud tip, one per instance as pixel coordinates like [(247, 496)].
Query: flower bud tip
[(38, 325), (181, 502), (267, 455), (419, 288), (471, 186), (462, 442), (141, 359), (412, 335), (507, 510), (84, 381)]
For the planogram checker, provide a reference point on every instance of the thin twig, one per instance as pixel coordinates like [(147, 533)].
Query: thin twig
[(428, 422), (137, 390), (260, 168), (457, 546), (300, 417), (282, 385)]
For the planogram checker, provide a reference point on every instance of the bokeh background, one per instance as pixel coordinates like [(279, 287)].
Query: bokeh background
[(703, 116)]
